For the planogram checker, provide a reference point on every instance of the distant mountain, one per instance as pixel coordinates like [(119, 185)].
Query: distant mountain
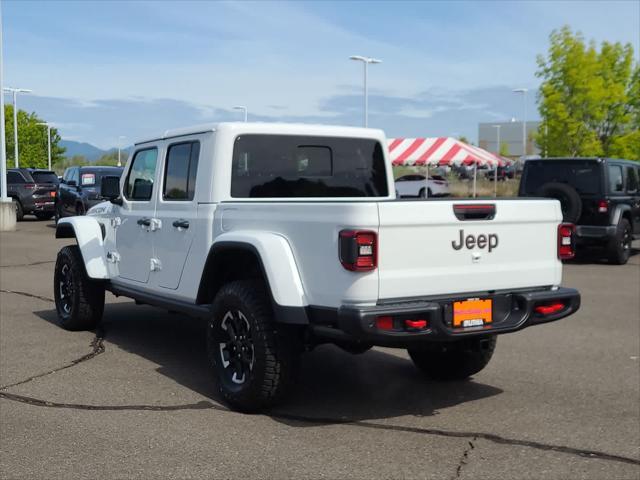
[(92, 152)]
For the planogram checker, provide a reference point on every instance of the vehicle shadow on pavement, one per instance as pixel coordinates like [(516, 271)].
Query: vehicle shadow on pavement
[(333, 386), (596, 255)]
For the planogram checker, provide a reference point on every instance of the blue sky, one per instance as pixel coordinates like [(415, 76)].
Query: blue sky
[(99, 70)]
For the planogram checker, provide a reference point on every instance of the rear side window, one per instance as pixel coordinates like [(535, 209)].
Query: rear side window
[(45, 177), (180, 171), (14, 177), (632, 180), (139, 184), (286, 166), (615, 178)]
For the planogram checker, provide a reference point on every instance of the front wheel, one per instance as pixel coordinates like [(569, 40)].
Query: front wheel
[(79, 299), (253, 358), (454, 360)]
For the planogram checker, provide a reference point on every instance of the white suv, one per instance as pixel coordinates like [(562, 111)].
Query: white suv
[(287, 236)]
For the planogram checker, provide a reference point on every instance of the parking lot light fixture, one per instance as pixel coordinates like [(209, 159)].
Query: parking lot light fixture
[(15, 92), (365, 61), (48, 143), (523, 91)]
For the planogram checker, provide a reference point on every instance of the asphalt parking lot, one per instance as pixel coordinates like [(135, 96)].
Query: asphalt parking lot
[(135, 399)]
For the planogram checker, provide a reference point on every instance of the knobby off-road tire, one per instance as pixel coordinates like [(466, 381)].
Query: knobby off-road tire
[(253, 358), (454, 360), (570, 201), (619, 247), (79, 299), (19, 211)]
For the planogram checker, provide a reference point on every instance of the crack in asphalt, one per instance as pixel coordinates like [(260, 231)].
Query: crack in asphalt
[(28, 264), (97, 347), (465, 456), (27, 294)]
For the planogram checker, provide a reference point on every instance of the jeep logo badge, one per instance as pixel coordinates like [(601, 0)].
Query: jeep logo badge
[(489, 241)]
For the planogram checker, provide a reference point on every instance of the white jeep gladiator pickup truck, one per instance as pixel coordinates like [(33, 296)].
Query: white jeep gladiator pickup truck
[(287, 236)]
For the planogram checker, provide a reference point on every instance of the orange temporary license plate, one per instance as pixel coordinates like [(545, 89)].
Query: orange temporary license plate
[(474, 312)]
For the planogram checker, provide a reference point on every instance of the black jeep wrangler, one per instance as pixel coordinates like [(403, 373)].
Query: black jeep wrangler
[(601, 196)]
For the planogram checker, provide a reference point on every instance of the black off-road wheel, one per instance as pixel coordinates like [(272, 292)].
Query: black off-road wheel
[(570, 201), (454, 360), (619, 248), (79, 299), (253, 359)]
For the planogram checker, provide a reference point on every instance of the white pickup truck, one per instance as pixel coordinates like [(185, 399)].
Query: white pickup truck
[(287, 236)]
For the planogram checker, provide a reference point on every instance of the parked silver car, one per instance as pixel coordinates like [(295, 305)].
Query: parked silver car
[(415, 186)]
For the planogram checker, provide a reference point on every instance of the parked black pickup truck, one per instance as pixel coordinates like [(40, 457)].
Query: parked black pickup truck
[(33, 192), (600, 195)]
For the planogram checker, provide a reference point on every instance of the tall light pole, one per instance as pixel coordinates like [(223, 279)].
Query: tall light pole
[(495, 171), (48, 142), (3, 153), (244, 109), (523, 91), (120, 138), (15, 92), (365, 61)]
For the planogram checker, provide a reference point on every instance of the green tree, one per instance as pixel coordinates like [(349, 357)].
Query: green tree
[(62, 163), (504, 149), (589, 99), (111, 158), (32, 140)]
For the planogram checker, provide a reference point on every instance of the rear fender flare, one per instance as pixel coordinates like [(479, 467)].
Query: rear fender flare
[(619, 211), (88, 235), (276, 258)]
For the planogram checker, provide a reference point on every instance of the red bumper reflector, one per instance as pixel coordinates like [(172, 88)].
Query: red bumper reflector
[(417, 324), (384, 323), (549, 309)]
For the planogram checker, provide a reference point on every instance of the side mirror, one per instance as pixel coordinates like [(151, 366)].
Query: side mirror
[(110, 189), (71, 183)]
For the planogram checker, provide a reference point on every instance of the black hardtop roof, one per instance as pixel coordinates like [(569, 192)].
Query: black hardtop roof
[(604, 159)]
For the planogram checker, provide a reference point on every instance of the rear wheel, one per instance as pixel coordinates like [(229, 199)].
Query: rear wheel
[(19, 210), (619, 248), (79, 299), (252, 357), (80, 210), (454, 360)]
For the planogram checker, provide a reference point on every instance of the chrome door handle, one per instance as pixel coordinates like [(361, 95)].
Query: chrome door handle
[(182, 223)]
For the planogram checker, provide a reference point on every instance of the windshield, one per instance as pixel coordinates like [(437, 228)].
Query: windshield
[(278, 166), (45, 177), (583, 175)]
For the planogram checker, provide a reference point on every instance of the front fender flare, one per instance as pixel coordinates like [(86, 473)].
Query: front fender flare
[(88, 234), (278, 263)]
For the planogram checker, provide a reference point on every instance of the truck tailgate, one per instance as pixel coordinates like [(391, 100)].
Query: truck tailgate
[(420, 251)]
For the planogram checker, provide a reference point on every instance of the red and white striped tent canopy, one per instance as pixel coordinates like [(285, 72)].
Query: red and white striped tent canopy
[(438, 151)]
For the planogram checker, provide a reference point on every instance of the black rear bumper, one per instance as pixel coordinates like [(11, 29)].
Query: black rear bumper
[(512, 311)]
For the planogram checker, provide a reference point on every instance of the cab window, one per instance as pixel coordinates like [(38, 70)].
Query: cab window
[(180, 171), (139, 184), (615, 179), (632, 180)]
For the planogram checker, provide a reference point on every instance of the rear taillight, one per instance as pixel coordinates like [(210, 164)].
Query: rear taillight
[(603, 206), (30, 186), (566, 241), (358, 250), (549, 309)]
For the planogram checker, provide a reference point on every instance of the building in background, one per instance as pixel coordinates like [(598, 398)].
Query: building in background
[(510, 136)]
